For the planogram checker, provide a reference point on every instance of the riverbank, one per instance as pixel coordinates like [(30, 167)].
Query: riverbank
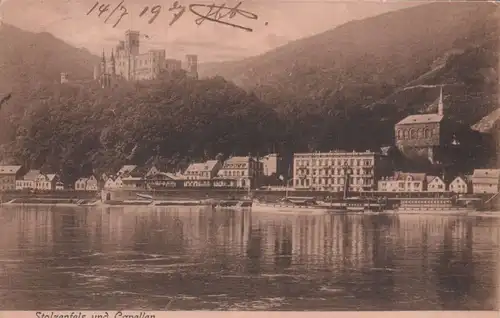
[(199, 204)]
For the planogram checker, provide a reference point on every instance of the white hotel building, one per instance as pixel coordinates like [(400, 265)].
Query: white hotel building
[(326, 170)]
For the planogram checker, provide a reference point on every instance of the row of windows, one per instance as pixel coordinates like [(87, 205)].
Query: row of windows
[(28, 184), (329, 172), (307, 182), (333, 162), (402, 184), (439, 186), (412, 133)]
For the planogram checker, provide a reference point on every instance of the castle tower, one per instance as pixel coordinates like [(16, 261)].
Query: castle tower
[(192, 65), (64, 78), (113, 64), (97, 72), (132, 42), (440, 103), (103, 63)]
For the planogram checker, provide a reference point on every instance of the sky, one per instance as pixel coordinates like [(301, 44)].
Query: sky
[(278, 22)]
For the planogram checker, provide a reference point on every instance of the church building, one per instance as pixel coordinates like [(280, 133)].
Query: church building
[(427, 137)]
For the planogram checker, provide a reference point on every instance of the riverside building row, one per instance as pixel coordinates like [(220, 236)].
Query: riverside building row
[(316, 171)]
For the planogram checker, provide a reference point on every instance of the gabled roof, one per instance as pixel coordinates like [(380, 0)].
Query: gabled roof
[(126, 168), (195, 167), (9, 169), (174, 176), (463, 178), (201, 166), (429, 179), (82, 180), (421, 119), (31, 175), (210, 164), (488, 122), (51, 176), (415, 176)]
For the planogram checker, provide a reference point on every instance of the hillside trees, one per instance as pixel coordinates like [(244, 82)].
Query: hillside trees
[(79, 131)]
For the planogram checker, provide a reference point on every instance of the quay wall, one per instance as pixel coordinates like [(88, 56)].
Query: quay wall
[(198, 194)]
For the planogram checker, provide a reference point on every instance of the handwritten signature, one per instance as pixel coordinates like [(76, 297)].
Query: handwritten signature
[(214, 13), (217, 13)]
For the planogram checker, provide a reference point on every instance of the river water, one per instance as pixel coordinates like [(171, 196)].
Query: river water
[(201, 259)]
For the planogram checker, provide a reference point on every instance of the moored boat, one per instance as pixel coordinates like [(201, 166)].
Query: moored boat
[(432, 206), (356, 204), (291, 205), (234, 204), (183, 202), (144, 196)]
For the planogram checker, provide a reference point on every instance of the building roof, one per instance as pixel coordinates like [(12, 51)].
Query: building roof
[(486, 176), (463, 178), (415, 176), (174, 176), (488, 122), (421, 119), (82, 180), (202, 166), (432, 178), (195, 167), (31, 175), (270, 155), (237, 162), (210, 164), (126, 168), (9, 169), (51, 176), (238, 159)]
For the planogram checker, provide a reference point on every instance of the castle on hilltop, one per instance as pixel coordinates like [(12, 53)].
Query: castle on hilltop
[(127, 63)]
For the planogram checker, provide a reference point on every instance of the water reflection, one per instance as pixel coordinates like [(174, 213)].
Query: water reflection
[(140, 258)]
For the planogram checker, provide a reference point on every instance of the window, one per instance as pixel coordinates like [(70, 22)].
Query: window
[(399, 134), (413, 134)]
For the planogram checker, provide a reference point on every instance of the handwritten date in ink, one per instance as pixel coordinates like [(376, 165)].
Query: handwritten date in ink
[(155, 11), (103, 8), (216, 13)]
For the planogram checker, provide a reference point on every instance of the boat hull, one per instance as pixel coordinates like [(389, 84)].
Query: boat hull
[(286, 208), (427, 211), (183, 203)]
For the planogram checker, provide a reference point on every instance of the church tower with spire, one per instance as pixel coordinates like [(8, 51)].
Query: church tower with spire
[(440, 102)]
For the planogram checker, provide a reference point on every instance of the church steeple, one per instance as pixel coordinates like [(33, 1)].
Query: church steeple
[(440, 102)]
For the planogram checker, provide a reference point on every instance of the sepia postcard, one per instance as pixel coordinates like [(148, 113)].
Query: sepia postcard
[(279, 156)]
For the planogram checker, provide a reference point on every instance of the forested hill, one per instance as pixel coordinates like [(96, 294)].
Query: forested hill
[(28, 58), (77, 129), (354, 78)]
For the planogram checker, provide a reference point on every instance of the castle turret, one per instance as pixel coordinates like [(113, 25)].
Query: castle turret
[(103, 63), (64, 78), (192, 65), (113, 64), (97, 72)]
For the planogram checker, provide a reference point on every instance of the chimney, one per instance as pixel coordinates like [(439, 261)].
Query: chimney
[(440, 102)]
